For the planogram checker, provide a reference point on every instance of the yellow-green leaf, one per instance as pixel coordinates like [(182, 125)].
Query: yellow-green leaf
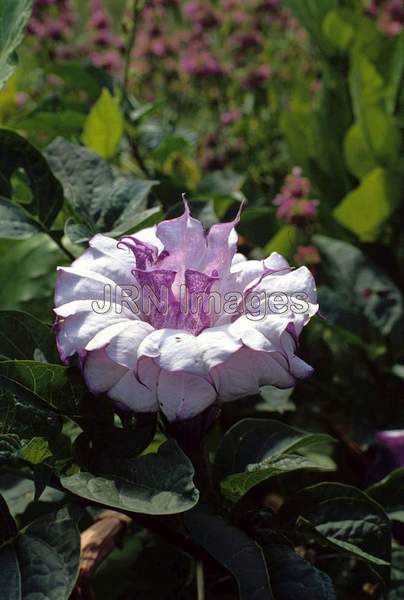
[(284, 241), (104, 126), (364, 210)]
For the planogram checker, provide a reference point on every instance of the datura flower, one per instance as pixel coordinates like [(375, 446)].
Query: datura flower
[(173, 318)]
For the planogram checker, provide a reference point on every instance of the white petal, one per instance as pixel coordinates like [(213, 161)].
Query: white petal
[(174, 350), (247, 370), (134, 395), (104, 257), (81, 324), (123, 347), (100, 373), (217, 344), (76, 284), (183, 395)]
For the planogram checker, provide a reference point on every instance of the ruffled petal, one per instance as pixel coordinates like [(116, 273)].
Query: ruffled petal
[(247, 370), (173, 350), (78, 325)]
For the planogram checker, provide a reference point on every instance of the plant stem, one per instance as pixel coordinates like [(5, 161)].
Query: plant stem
[(59, 243), (130, 44), (200, 580)]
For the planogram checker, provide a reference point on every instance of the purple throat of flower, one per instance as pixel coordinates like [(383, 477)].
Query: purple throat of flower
[(151, 274), (177, 297)]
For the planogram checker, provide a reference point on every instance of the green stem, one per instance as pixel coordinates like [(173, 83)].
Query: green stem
[(130, 45), (200, 580)]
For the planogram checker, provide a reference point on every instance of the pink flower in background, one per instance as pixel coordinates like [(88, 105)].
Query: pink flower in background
[(389, 15), (229, 117), (293, 204), (257, 77), (176, 355), (307, 255), (107, 60)]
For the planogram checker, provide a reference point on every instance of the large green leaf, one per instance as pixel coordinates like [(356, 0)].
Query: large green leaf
[(158, 484), (339, 27), (234, 549), (101, 199), (237, 485), (47, 194), (14, 15), (42, 560), (50, 382), (253, 442), (23, 337), (377, 197), (24, 414), (294, 578), (358, 295), (28, 273), (343, 517), (358, 156), (104, 126), (389, 493), (15, 224)]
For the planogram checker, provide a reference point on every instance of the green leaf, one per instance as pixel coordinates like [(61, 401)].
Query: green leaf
[(358, 155), (339, 27), (236, 486), (156, 484), (395, 75), (377, 197), (389, 493), (30, 288), (10, 444), (36, 451), (104, 126), (23, 337), (333, 542), (359, 296), (43, 559), (47, 194), (234, 549), (343, 517), (23, 413), (255, 441), (294, 578), (284, 241), (52, 383), (102, 199), (221, 183), (20, 494), (14, 15), (15, 224), (276, 400)]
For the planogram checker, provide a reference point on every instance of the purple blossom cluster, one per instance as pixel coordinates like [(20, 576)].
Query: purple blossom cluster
[(44, 25), (207, 42), (389, 15), (293, 202), (55, 20)]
